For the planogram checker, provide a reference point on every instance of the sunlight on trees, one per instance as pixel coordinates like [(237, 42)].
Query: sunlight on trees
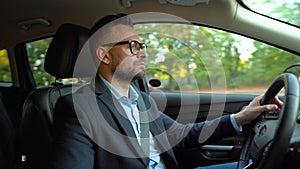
[(178, 53)]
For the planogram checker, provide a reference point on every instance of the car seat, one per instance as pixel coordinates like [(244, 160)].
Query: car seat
[(36, 124), (7, 139)]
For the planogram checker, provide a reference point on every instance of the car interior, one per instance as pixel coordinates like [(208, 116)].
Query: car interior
[(28, 97), (35, 131)]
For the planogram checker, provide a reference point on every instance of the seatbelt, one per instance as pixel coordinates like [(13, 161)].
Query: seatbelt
[(144, 124)]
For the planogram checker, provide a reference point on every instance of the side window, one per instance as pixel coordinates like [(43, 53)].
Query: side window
[(190, 58), (5, 73), (36, 52)]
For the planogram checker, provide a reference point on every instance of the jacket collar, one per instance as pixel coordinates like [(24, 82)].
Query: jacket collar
[(104, 94)]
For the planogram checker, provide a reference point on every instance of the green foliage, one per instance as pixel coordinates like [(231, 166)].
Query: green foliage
[(5, 74), (179, 54), (36, 52), (267, 62)]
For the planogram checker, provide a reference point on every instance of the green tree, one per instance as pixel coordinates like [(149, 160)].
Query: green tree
[(186, 52), (169, 56), (36, 52), (267, 58), (5, 73)]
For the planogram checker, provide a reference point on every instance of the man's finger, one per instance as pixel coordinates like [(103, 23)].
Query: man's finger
[(270, 107)]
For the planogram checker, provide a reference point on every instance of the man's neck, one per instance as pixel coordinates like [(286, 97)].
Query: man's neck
[(122, 85)]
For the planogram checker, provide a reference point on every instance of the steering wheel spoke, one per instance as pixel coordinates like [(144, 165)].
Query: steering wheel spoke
[(264, 134)]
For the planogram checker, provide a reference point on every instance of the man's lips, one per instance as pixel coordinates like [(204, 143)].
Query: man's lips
[(140, 64)]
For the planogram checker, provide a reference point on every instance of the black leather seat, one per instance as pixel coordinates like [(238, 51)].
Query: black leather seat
[(36, 124), (7, 140)]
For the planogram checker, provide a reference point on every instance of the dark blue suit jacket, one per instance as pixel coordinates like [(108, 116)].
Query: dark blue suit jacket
[(91, 131)]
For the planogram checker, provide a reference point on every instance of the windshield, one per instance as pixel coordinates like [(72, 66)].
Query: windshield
[(287, 10)]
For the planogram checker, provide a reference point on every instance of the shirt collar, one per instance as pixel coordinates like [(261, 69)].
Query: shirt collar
[(133, 95)]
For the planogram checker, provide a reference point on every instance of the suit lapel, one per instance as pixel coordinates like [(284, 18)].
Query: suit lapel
[(118, 112), (106, 97), (115, 108)]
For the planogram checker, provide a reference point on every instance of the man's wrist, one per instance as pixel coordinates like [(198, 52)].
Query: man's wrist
[(234, 123), (237, 119)]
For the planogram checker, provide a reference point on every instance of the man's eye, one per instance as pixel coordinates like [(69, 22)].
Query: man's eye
[(134, 46)]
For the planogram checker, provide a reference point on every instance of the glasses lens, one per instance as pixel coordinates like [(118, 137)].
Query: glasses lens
[(143, 46), (135, 47)]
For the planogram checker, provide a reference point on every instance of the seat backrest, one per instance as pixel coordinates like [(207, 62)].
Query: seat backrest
[(36, 124), (7, 139)]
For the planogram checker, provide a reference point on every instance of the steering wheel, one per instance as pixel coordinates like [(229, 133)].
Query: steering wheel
[(269, 138)]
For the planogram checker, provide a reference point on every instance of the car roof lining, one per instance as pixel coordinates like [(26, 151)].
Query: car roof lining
[(222, 14), (76, 12)]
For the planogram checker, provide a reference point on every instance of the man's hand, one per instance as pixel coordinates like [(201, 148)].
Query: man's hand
[(254, 109)]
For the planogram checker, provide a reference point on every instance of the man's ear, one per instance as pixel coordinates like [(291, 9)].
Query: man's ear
[(102, 55)]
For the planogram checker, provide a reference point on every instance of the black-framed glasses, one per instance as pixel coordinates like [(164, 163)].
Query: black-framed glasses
[(135, 46)]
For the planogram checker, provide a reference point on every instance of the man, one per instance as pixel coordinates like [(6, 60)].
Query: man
[(110, 124)]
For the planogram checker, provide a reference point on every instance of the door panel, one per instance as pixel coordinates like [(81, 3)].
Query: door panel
[(12, 99), (187, 103), (191, 107)]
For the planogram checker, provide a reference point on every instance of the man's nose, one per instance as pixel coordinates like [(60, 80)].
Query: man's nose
[(142, 54)]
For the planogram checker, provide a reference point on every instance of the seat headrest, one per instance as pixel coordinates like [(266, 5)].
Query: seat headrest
[(64, 49)]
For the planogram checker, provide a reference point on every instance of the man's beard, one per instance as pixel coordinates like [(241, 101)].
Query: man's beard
[(127, 75), (139, 75)]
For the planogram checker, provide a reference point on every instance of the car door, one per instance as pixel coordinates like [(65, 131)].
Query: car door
[(196, 73), (13, 84), (225, 150)]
